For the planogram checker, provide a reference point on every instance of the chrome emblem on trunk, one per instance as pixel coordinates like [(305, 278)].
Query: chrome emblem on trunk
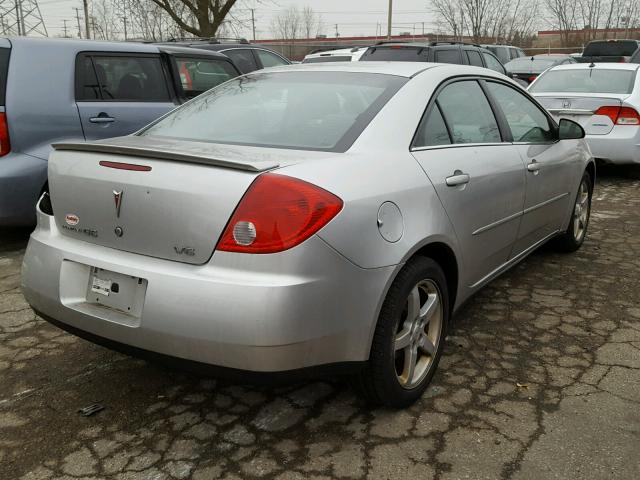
[(117, 196), (566, 104)]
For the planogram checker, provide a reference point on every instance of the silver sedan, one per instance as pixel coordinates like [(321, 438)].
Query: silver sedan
[(309, 218)]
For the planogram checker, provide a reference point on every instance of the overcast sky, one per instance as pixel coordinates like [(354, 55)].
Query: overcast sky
[(353, 17)]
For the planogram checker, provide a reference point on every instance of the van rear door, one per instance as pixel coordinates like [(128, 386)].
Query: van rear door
[(119, 93)]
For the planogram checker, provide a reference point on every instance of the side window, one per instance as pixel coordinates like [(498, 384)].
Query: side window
[(448, 56), (468, 114), (269, 59), (131, 79), (198, 75), (87, 87), (493, 63), (526, 121), (432, 130), (474, 58), (514, 53), (243, 59)]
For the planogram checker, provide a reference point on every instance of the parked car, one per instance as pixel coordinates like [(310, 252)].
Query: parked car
[(231, 232), (340, 55), (609, 51), (246, 56), (528, 68), (505, 53), (636, 57), (603, 98), (61, 89)]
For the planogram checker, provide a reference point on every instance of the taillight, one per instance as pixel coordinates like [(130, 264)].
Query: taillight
[(620, 115), (532, 78), (5, 145), (277, 213)]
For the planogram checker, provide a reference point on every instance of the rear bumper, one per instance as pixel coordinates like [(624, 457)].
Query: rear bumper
[(21, 180), (302, 308), (620, 146)]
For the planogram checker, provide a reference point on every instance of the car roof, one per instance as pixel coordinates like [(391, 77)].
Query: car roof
[(599, 66), (339, 51), (191, 51), (82, 44)]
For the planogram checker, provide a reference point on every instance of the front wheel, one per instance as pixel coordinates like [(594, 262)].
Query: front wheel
[(409, 336), (573, 238)]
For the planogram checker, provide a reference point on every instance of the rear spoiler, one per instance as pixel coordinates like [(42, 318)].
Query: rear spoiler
[(178, 152)]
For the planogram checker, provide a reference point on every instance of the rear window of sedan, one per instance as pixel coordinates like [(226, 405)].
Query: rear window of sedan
[(328, 58), (527, 62), (324, 111), (591, 80)]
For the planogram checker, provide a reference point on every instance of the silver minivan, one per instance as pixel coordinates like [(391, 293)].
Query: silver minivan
[(54, 90)]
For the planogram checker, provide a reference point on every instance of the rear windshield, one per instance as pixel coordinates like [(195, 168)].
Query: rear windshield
[(396, 53), (328, 58), (610, 49), (592, 80), (526, 62), (300, 110), (4, 71)]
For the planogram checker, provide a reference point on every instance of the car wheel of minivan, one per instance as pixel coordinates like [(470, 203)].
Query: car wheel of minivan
[(409, 336), (573, 238)]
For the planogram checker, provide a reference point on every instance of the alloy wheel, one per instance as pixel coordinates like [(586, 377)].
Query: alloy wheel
[(581, 212)]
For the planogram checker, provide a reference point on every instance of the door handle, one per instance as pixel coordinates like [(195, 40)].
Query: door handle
[(534, 166), (458, 178), (102, 118)]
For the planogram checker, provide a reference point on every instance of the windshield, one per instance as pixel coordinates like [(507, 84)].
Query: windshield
[(590, 80), (526, 62), (610, 49), (301, 110)]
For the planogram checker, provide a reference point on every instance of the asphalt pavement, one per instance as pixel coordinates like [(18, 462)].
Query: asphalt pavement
[(540, 380)]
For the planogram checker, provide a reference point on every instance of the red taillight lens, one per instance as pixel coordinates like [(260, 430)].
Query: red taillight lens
[(277, 213), (5, 144), (620, 115), (532, 78)]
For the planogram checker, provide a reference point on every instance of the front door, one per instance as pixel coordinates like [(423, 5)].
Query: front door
[(550, 165), (117, 94), (479, 179)]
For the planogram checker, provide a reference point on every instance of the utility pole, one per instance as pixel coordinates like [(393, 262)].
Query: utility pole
[(124, 22), (85, 4), (18, 22), (78, 19), (337, 32), (389, 16), (64, 27), (253, 23)]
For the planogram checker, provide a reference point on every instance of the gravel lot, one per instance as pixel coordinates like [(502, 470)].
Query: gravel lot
[(540, 380)]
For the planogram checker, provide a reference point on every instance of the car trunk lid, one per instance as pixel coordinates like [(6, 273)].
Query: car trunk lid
[(163, 198), (582, 109)]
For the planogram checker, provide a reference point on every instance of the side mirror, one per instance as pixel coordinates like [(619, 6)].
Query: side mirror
[(570, 130)]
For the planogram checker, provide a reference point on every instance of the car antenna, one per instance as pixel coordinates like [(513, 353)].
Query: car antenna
[(592, 64)]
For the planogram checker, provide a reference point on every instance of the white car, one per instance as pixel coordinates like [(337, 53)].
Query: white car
[(341, 55), (604, 98)]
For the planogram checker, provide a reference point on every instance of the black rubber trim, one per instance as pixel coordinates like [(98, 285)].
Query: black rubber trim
[(233, 374)]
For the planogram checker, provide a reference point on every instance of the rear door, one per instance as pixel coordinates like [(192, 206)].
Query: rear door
[(550, 164), (449, 55), (479, 178), (119, 93)]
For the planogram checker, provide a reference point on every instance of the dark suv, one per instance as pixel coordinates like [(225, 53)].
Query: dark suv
[(246, 56), (440, 52), (609, 51)]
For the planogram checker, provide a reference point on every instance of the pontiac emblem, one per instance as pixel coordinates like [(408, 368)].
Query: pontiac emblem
[(566, 104), (117, 197)]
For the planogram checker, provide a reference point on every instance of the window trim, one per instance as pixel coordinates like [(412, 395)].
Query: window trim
[(91, 54), (552, 123), (432, 101)]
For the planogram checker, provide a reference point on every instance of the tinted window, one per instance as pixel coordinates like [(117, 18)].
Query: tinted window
[(493, 63), (525, 119), (269, 59), (134, 79), (468, 114), (243, 59), (396, 53), (87, 87), (302, 110), (616, 48), (474, 58), (587, 80), (328, 58), (513, 53), (448, 56), (433, 130), (198, 75), (4, 71)]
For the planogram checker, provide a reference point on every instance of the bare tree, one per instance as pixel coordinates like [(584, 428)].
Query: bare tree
[(563, 13), (311, 22), (451, 15), (202, 18)]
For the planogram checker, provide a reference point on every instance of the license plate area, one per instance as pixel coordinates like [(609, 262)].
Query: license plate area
[(117, 291)]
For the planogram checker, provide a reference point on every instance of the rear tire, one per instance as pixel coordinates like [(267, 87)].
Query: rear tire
[(573, 238), (409, 336)]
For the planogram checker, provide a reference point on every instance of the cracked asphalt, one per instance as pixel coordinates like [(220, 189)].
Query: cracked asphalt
[(540, 380)]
